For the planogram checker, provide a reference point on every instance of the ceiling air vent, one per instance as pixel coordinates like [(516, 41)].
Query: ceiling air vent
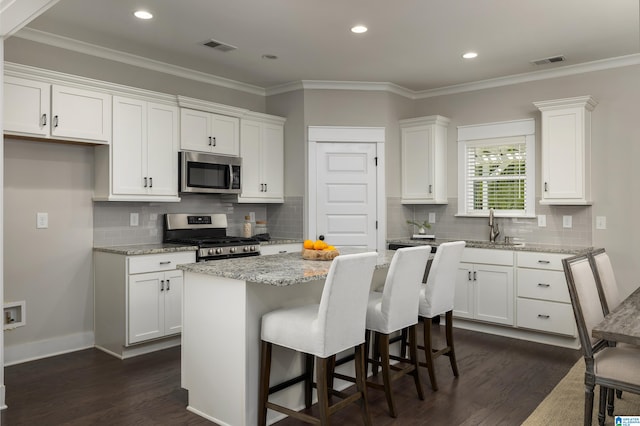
[(552, 59), (218, 45)]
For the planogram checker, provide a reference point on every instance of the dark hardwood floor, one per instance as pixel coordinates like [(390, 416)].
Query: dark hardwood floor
[(501, 382)]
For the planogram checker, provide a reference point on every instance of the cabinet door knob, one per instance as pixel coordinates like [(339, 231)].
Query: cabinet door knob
[(214, 141), (210, 141), (150, 182), (161, 285), (430, 189), (55, 121), (145, 182), (266, 188), (469, 276), (546, 187), (44, 120), (474, 275), (168, 288)]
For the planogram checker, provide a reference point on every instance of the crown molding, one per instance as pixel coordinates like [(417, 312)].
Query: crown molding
[(603, 64), (135, 60), (139, 61)]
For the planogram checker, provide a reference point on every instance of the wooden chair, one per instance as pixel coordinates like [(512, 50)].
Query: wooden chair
[(321, 331), (607, 366), (436, 298), (396, 309)]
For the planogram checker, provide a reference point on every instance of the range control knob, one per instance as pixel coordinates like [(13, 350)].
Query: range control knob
[(252, 248), (232, 250), (210, 251), (218, 251), (245, 248)]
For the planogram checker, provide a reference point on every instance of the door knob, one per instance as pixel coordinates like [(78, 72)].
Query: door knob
[(321, 237)]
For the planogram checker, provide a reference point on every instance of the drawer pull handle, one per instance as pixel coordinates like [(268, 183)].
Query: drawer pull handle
[(165, 262), (544, 262), (544, 285), (282, 251), (542, 316)]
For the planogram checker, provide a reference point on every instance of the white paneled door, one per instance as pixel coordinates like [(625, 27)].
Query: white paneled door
[(346, 193)]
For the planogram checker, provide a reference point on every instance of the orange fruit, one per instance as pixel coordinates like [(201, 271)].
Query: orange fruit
[(330, 248), (308, 244), (319, 245)]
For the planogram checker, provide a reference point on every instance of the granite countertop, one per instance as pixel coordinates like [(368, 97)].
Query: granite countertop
[(545, 248), (277, 270), (140, 249)]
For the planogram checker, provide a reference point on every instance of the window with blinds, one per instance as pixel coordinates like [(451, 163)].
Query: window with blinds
[(496, 175), (496, 169)]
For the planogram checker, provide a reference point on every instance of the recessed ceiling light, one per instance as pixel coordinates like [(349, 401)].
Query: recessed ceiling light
[(359, 29), (469, 55), (142, 14)]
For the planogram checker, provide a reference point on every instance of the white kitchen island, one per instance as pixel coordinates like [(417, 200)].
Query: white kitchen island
[(223, 303)]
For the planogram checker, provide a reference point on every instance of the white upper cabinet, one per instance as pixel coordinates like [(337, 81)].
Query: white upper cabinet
[(143, 163), (49, 111), (262, 152), (566, 150), (424, 160), (207, 132)]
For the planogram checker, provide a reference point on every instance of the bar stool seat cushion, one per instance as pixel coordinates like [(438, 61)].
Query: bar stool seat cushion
[(295, 328)]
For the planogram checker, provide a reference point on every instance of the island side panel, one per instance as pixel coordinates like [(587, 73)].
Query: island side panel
[(285, 364), (214, 347)]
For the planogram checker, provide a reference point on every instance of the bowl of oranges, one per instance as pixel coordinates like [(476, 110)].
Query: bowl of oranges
[(318, 250)]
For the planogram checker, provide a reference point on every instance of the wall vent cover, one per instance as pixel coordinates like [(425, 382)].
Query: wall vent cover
[(218, 45), (549, 60)]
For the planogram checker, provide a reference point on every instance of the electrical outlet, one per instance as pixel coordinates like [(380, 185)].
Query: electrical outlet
[(601, 222), (567, 221), (432, 217), (542, 220), (42, 220), (133, 219)]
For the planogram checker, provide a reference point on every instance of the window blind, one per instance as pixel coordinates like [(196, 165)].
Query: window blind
[(496, 175)]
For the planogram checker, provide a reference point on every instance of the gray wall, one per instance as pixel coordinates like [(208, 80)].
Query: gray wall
[(615, 150)]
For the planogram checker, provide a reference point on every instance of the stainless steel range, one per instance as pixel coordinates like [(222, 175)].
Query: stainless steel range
[(209, 233)]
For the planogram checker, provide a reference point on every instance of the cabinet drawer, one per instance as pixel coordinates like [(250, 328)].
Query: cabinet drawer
[(544, 285), (550, 317), (267, 249), (552, 261), (159, 262), (487, 256)]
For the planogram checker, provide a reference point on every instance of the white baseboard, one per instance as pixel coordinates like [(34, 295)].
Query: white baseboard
[(16, 354)]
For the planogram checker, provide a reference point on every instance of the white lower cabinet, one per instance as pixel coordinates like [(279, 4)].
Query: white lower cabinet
[(138, 301), (154, 305), (484, 286), (543, 301)]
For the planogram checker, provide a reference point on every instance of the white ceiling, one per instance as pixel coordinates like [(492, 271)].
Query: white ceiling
[(416, 44)]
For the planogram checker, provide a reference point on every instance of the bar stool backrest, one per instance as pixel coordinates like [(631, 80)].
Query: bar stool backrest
[(441, 281), (343, 305), (400, 296)]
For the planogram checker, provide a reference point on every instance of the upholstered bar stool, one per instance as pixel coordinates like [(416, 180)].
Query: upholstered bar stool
[(396, 309), (335, 325), (436, 298)]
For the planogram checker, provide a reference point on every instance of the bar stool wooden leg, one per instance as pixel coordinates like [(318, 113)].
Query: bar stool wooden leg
[(428, 352), (361, 385), (265, 371), (308, 380), (323, 390), (383, 349), (450, 349), (413, 356)]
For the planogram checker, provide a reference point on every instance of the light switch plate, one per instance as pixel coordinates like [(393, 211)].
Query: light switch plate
[(601, 222), (42, 220), (567, 221), (432, 217), (542, 220), (133, 219)]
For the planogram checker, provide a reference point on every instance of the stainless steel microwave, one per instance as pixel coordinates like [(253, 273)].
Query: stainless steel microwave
[(209, 173)]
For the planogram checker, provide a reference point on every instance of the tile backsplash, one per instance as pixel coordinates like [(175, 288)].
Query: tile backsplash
[(111, 221), (448, 225)]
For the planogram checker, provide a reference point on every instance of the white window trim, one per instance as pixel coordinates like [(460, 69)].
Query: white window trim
[(502, 129)]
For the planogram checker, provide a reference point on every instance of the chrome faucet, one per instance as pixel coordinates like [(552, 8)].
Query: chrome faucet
[(494, 231)]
